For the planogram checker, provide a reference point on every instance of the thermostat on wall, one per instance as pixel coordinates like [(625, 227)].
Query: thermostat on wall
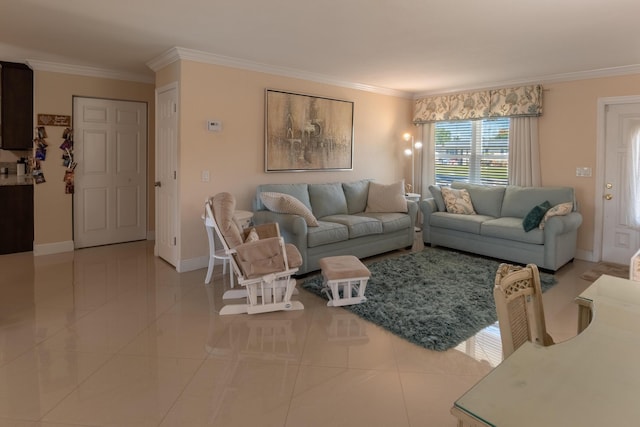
[(214, 125)]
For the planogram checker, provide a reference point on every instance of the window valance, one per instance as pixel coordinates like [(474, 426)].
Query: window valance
[(519, 101)]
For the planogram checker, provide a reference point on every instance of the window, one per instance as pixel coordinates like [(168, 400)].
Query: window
[(472, 151)]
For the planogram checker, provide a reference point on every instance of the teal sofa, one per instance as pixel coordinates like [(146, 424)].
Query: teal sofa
[(496, 230), (344, 226)]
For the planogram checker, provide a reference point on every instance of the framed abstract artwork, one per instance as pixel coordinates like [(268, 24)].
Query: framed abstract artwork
[(307, 133)]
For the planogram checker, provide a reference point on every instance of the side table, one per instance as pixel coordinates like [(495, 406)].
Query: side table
[(414, 197)]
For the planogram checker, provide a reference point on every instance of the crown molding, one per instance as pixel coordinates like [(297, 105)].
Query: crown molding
[(551, 78), (180, 53), (83, 70)]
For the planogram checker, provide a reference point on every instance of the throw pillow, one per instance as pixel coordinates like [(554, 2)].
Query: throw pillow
[(557, 210), (284, 203), (327, 199), (535, 215), (436, 192), (386, 198), (457, 201), (252, 236), (356, 194)]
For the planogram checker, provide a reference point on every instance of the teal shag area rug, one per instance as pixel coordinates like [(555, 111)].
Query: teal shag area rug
[(435, 298)]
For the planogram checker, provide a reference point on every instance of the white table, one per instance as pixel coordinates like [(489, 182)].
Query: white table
[(590, 380)]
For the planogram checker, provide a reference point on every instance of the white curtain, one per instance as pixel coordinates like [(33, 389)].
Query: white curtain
[(633, 205), (428, 159), (524, 153)]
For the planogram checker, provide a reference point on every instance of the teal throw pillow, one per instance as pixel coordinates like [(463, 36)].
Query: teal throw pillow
[(535, 215)]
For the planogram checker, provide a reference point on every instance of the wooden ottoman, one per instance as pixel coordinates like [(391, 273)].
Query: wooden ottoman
[(347, 274)]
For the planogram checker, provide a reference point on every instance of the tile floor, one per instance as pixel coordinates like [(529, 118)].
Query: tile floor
[(112, 336)]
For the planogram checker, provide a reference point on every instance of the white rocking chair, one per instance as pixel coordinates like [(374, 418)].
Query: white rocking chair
[(263, 265)]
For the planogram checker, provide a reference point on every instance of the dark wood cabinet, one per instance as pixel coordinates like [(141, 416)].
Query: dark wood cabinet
[(16, 218), (16, 115)]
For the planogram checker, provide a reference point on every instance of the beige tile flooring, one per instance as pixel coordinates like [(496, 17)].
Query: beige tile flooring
[(112, 336)]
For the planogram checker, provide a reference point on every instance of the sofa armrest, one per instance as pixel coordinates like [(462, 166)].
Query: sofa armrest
[(427, 207), (293, 228), (557, 225)]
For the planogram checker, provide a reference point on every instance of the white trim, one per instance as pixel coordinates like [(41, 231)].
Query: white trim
[(585, 255), (600, 164), (193, 264), (53, 248), (551, 78), (176, 53), (82, 70)]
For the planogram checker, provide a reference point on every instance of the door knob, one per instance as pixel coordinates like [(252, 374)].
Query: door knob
[(608, 196), (609, 186), (158, 184)]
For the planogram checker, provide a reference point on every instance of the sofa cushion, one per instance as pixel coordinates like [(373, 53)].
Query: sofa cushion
[(558, 210), (325, 233), (459, 222), (386, 198), (436, 192), (487, 200), (299, 191), (510, 228), (284, 203), (518, 201), (357, 225), (457, 201), (391, 221), (327, 199), (356, 193), (535, 215)]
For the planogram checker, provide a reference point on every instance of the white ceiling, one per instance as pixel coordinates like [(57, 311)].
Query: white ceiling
[(412, 46)]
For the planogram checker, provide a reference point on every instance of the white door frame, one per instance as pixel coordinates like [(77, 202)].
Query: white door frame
[(600, 166)]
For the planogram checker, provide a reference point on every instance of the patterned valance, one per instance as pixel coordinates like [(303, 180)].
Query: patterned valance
[(508, 102)]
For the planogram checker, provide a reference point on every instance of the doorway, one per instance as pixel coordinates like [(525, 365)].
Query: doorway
[(618, 118), (110, 148)]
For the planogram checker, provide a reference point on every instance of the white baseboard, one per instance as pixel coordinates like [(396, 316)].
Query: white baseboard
[(53, 248), (192, 264), (585, 255)]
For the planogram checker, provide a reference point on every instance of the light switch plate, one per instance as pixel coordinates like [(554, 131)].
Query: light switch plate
[(583, 171)]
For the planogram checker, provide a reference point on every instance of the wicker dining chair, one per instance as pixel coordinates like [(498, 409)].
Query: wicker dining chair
[(518, 298)]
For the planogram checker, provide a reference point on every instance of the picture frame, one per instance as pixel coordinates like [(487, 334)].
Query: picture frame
[(306, 133)]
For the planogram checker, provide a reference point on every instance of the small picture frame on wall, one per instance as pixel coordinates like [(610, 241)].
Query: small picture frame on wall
[(307, 133)]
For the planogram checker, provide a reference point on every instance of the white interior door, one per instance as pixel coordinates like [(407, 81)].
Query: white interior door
[(619, 241), (110, 148), (166, 174)]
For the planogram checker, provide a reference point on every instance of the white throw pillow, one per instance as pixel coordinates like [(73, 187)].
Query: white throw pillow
[(557, 210), (386, 198), (457, 201), (284, 203), (252, 236)]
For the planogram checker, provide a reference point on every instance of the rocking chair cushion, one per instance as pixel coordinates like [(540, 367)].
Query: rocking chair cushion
[(293, 255), (261, 257), (224, 204)]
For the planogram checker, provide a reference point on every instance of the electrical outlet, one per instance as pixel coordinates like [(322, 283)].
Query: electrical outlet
[(214, 125), (205, 176)]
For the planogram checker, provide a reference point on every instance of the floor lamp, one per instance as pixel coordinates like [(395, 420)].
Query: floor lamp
[(415, 145)]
